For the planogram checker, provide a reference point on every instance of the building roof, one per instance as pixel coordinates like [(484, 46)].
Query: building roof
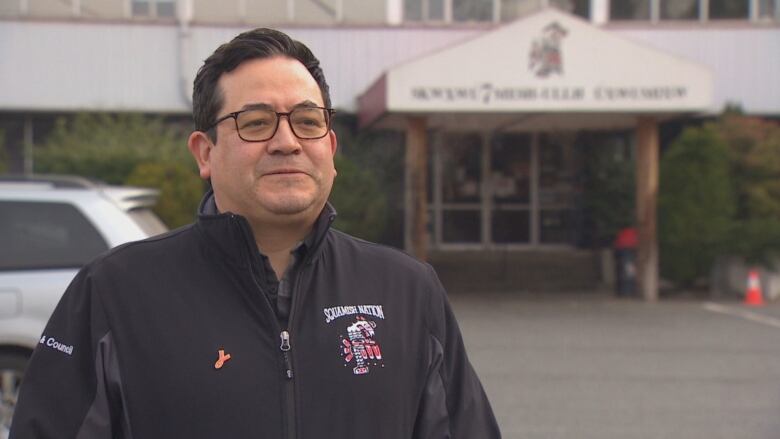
[(548, 62), (74, 65)]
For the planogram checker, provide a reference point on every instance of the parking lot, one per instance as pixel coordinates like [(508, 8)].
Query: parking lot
[(592, 366)]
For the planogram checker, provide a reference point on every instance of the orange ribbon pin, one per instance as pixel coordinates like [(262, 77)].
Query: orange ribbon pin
[(223, 357)]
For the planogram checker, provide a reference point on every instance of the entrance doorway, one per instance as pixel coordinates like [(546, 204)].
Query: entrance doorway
[(492, 190)]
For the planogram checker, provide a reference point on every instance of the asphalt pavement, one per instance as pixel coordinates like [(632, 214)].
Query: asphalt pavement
[(593, 366)]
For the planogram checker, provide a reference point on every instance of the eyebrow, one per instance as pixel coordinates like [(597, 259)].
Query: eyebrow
[(264, 106)]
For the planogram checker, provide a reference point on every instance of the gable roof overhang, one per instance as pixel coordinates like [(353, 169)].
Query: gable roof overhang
[(549, 70)]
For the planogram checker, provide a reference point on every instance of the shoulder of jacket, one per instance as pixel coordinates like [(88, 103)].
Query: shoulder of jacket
[(390, 255), (134, 249)]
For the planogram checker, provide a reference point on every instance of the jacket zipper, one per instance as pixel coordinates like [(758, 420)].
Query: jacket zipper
[(284, 335), (288, 385), (284, 346)]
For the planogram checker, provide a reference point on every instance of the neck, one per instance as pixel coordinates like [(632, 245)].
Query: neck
[(277, 241)]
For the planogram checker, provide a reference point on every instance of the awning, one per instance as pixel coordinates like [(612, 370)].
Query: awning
[(548, 70)]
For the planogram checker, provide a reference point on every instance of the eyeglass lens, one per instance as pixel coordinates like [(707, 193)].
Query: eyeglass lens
[(306, 123)]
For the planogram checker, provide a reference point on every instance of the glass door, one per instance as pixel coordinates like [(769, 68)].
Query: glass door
[(460, 171), (503, 189), (556, 189), (511, 176)]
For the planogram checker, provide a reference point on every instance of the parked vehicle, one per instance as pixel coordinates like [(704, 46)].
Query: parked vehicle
[(50, 226)]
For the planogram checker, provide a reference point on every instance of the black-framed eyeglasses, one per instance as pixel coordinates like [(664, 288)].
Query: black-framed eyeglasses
[(260, 124)]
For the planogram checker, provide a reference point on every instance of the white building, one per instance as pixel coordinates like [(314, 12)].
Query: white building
[(461, 77)]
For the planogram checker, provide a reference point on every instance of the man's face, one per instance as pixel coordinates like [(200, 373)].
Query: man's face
[(278, 180)]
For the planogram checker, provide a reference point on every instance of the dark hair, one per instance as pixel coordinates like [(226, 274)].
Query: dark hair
[(253, 44)]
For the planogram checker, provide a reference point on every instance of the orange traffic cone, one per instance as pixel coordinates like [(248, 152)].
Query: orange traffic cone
[(753, 295)]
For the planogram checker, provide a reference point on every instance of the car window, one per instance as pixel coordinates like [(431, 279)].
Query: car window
[(37, 235)]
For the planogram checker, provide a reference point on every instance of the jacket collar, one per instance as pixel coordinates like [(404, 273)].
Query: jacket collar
[(232, 235)]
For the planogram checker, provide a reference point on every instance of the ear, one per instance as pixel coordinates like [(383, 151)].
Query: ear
[(200, 146), (333, 146)]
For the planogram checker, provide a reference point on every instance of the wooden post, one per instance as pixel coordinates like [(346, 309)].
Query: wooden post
[(646, 200), (416, 227)]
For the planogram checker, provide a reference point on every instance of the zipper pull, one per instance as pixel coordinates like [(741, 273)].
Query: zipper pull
[(285, 347)]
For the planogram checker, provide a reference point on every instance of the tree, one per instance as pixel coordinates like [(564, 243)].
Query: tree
[(696, 204), (755, 154), (128, 149), (361, 205), (609, 194), (180, 193), (754, 146), (377, 158)]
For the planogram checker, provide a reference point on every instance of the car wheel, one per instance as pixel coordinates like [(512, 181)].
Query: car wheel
[(11, 372)]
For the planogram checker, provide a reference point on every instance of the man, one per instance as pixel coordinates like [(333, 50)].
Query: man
[(258, 320)]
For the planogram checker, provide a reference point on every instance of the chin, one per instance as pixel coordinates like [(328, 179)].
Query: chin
[(290, 206)]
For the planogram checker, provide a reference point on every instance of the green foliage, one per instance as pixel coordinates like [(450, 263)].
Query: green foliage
[(109, 146), (755, 166), (361, 205), (378, 157), (126, 149), (180, 193), (755, 150), (609, 193), (696, 204)]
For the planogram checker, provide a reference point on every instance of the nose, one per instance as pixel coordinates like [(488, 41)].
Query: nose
[(284, 141)]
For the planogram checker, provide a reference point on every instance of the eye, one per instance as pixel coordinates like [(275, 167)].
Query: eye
[(256, 120), (254, 123), (308, 118), (309, 122)]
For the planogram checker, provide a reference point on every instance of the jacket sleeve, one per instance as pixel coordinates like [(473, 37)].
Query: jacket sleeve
[(71, 388), (454, 404)]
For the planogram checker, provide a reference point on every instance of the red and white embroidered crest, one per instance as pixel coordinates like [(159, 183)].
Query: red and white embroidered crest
[(360, 346)]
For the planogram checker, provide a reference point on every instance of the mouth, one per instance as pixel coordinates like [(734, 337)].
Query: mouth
[(285, 171)]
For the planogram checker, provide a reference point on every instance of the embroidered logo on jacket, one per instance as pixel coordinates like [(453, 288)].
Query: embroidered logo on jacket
[(360, 348), (335, 312), (54, 344)]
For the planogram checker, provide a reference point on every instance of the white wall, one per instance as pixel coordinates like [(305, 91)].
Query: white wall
[(136, 67), (745, 61)]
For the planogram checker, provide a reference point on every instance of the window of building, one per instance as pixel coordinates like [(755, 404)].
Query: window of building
[(462, 168), (461, 188), (514, 9), (424, 10), (485, 10), (37, 235), (769, 9), (141, 8), (655, 10), (510, 184), (154, 8), (436, 9), (580, 8), (679, 9), (472, 10), (629, 10), (557, 165), (720, 9)]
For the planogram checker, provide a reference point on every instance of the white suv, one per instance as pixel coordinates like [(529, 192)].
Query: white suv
[(49, 227)]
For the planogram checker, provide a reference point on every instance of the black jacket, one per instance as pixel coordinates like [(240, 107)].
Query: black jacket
[(133, 349)]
